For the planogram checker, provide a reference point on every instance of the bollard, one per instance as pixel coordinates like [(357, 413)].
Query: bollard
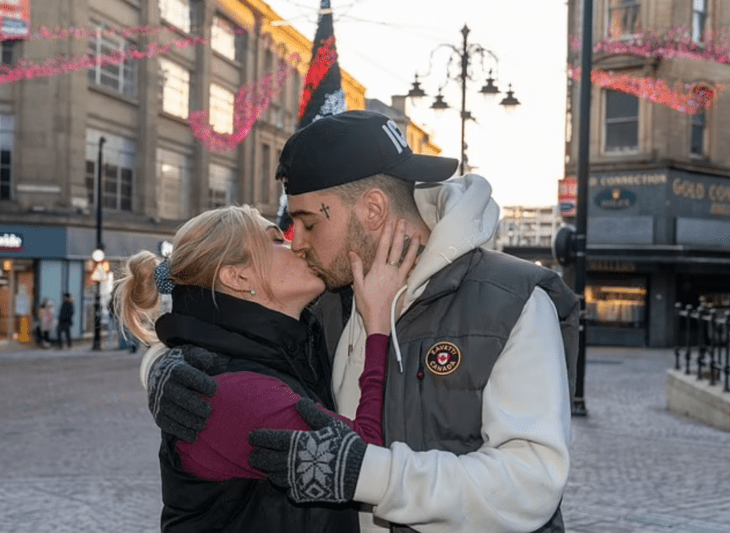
[(677, 328), (701, 347), (713, 342), (726, 370), (688, 337)]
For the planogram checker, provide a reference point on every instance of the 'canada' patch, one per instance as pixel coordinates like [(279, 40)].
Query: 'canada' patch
[(443, 358)]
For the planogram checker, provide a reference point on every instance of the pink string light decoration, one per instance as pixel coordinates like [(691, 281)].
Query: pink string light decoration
[(57, 33), (675, 43), (251, 100), (686, 98), (28, 70)]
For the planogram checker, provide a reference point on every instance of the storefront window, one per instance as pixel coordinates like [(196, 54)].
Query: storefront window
[(17, 309), (617, 303)]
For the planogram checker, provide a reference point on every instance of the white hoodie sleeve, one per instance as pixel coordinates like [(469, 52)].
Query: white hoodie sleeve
[(515, 481), (151, 355)]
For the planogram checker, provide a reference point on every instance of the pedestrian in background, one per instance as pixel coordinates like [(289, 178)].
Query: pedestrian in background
[(47, 320), (65, 320), (112, 326)]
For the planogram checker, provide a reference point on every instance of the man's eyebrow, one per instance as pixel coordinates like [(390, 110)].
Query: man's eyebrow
[(302, 213)]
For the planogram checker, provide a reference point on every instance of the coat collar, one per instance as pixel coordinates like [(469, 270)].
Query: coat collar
[(228, 325)]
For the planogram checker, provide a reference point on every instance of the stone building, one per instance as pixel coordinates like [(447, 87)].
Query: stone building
[(155, 173), (659, 186)]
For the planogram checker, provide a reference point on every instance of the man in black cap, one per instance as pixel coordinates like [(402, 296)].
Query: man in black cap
[(478, 390)]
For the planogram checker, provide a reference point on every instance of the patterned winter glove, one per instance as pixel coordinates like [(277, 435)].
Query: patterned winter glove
[(322, 465), (172, 384)]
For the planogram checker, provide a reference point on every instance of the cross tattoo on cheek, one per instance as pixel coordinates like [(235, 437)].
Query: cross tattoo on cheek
[(326, 210)]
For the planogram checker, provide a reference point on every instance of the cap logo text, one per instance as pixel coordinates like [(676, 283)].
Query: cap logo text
[(395, 135)]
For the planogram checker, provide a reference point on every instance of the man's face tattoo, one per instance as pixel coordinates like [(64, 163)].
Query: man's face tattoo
[(325, 209)]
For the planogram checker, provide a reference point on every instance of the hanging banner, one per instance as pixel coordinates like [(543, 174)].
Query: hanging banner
[(14, 17), (322, 94)]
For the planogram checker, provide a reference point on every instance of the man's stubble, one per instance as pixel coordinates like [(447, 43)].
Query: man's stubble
[(357, 239)]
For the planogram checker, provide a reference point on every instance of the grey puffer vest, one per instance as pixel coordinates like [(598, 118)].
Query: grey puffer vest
[(472, 305)]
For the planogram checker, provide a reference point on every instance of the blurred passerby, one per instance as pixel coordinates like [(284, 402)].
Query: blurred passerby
[(65, 320), (47, 320)]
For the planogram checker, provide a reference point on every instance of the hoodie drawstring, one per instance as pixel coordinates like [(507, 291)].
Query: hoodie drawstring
[(392, 327)]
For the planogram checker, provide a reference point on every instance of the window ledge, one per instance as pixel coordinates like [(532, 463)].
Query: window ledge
[(113, 94), (232, 62), (623, 157), (175, 118)]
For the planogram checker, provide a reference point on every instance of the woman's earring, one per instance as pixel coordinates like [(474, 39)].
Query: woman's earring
[(252, 291)]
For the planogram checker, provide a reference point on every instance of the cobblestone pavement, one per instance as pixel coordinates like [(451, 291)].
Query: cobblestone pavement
[(637, 468), (78, 449)]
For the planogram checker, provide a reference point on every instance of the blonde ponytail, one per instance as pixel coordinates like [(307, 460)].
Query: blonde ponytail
[(136, 299)]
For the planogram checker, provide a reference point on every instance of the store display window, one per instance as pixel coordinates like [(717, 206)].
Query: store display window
[(617, 302)]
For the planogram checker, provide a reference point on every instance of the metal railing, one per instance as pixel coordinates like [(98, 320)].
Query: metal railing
[(702, 343)]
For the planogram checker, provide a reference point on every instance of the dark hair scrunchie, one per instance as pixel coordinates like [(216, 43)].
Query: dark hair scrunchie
[(162, 278)]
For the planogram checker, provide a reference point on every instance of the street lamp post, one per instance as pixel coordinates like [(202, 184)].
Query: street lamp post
[(98, 255), (581, 215), (464, 55)]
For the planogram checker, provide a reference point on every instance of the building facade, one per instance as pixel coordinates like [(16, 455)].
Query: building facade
[(154, 64), (659, 185), (528, 232)]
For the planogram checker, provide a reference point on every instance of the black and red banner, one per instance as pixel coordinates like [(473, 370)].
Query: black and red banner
[(322, 94)]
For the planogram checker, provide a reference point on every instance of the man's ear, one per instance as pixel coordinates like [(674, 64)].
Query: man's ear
[(235, 277), (374, 209)]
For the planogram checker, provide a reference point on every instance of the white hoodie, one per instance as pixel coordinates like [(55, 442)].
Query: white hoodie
[(514, 482)]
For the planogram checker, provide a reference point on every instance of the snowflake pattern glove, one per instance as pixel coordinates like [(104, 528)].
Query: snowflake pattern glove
[(322, 465)]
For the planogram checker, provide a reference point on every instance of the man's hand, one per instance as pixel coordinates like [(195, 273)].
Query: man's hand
[(173, 385), (322, 465)]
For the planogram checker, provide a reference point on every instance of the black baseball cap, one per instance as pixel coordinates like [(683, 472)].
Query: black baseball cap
[(350, 146)]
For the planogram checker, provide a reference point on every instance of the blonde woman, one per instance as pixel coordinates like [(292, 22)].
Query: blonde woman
[(241, 293)]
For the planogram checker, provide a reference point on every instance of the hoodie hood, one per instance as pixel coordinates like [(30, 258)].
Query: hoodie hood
[(462, 216)]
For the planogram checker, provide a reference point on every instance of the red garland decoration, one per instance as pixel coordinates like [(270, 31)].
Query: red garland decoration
[(686, 98)]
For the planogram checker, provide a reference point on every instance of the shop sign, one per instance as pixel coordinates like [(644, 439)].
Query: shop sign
[(14, 17), (717, 194), (11, 242), (627, 180), (611, 266), (615, 199), (568, 196)]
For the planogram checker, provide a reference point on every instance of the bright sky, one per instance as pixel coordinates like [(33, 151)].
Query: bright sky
[(382, 43)]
